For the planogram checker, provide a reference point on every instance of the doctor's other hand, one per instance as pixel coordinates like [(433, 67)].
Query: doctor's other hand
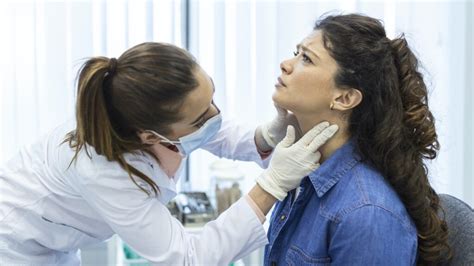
[(291, 162), (268, 135)]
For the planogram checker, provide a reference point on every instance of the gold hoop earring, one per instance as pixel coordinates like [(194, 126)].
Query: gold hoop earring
[(331, 106)]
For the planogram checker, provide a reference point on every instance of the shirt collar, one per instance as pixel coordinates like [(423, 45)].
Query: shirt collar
[(331, 171)]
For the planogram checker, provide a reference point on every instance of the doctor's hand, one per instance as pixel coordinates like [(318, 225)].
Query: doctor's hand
[(291, 162), (268, 135)]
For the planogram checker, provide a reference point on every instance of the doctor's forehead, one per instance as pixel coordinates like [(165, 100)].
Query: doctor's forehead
[(204, 92), (213, 85), (206, 79)]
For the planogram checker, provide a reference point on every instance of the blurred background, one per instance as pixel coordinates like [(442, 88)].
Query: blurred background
[(240, 44)]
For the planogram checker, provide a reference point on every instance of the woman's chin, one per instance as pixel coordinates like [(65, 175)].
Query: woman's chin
[(277, 99)]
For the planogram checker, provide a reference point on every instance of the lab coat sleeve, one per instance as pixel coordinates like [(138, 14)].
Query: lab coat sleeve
[(236, 142), (146, 225)]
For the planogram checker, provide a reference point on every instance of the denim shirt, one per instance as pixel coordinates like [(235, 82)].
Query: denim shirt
[(346, 213)]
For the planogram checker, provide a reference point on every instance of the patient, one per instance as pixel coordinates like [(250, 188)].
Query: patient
[(370, 202)]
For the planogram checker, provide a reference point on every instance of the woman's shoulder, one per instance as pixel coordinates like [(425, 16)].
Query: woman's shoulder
[(374, 188), (364, 187)]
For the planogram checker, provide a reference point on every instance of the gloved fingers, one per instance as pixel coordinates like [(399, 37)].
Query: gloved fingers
[(289, 138), (308, 168), (265, 133), (321, 138), (317, 157), (313, 133), (315, 166), (311, 159)]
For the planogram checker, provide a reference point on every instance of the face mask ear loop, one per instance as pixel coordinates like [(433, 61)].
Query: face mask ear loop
[(163, 138)]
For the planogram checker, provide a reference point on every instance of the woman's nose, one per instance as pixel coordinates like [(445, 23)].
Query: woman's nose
[(286, 67)]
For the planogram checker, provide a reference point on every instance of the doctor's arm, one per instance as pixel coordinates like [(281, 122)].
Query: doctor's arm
[(147, 226), (237, 142)]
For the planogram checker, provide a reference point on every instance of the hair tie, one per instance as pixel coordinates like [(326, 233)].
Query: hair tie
[(112, 66)]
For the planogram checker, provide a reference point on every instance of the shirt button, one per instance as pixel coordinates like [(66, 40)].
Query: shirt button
[(283, 217), (274, 263)]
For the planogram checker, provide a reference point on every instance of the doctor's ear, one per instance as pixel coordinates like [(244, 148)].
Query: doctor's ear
[(147, 137), (346, 99)]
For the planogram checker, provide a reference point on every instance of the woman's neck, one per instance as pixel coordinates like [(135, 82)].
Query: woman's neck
[(340, 138)]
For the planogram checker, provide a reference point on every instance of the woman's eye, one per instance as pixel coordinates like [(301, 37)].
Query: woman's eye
[(307, 59)]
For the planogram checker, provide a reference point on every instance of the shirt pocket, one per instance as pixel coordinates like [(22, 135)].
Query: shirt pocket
[(297, 257)]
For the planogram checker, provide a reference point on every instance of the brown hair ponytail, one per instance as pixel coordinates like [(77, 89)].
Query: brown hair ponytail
[(393, 126), (93, 123), (116, 99), (421, 135)]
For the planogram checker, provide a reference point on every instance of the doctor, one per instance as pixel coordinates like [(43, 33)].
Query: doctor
[(113, 169)]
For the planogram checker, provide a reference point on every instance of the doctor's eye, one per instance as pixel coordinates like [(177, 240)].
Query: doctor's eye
[(200, 123)]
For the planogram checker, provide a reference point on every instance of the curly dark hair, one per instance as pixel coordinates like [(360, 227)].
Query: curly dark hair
[(392, 126)]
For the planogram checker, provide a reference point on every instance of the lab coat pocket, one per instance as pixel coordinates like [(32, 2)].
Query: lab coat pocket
[(67, 237), (35, 234), (297, 257)]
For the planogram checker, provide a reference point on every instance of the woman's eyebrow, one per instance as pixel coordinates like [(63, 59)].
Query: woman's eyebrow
[(306, 49)]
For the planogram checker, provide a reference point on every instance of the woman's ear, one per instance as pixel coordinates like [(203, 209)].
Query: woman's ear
[(147, 137), (346, 99)]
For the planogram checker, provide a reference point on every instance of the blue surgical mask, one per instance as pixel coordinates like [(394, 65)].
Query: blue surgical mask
[(198, 138)]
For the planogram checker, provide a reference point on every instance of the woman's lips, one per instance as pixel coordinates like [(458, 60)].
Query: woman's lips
[(280, 83)]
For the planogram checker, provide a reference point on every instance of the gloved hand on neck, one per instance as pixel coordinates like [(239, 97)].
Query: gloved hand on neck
[(291, 161), (268, 135)]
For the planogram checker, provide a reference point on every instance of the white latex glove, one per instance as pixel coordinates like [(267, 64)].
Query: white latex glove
[(274, 131), (291, 162)]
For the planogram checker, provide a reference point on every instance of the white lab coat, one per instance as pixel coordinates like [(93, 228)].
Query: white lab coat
[(48, 211)]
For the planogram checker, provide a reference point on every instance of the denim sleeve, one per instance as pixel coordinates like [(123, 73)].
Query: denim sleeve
[(371, 235)]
